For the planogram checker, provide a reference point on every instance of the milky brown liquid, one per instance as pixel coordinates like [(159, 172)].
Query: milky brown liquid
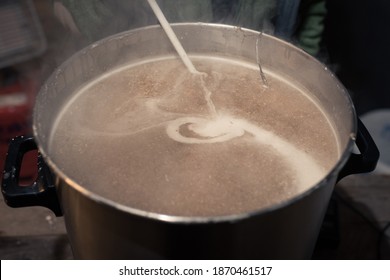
[(144, 136)]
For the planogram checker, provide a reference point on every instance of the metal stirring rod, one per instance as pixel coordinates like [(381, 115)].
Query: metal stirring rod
[(172, 36)]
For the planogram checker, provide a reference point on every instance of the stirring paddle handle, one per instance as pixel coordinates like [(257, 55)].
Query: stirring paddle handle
[(172, 36)]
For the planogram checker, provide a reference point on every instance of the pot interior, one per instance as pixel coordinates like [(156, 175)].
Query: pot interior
[(144, 132)]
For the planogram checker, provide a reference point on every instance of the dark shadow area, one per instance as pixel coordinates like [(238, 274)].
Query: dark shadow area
[(357, 41)]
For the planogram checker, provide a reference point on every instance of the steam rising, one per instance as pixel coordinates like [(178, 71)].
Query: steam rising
[(86, 22)]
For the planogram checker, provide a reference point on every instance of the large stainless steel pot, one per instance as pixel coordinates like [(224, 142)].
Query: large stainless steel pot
[(101, 229)]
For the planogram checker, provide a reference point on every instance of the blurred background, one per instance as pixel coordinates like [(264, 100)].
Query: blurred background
[(350, 36)]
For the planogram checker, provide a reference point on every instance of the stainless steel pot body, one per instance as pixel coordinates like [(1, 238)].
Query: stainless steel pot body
[(101, 229)]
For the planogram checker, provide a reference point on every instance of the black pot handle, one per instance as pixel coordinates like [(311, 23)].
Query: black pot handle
[(41, 193), (367, 159)]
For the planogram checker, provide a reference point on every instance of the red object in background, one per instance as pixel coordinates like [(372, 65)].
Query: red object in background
[(16, 102)]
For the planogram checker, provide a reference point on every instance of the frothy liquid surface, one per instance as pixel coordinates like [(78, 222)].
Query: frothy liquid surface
[(145, 136)]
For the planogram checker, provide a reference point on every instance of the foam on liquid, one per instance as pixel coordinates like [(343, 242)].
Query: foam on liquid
[(157, 138), (225, 128)]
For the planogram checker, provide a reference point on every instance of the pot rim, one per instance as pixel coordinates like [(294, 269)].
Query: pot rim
[(344, 155)]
